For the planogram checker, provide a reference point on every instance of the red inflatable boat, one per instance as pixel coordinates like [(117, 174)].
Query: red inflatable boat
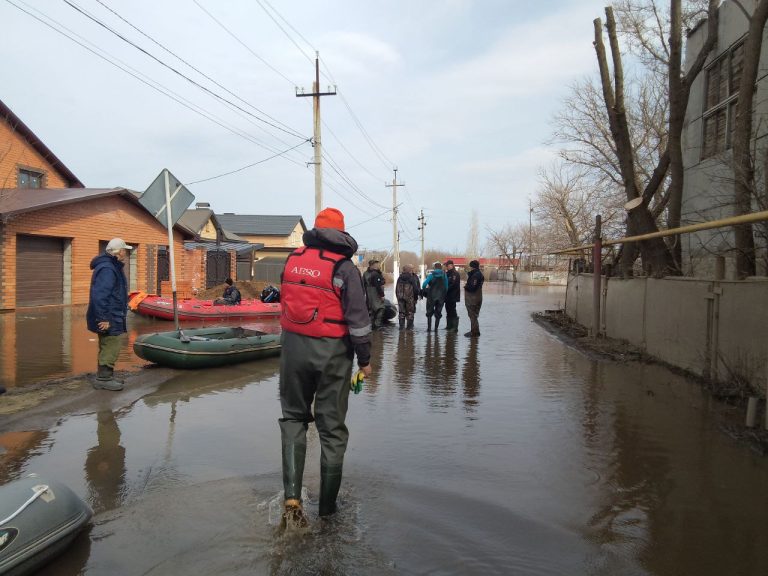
[(193, 309)]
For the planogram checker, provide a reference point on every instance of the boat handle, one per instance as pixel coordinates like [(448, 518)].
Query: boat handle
[(39, 492)]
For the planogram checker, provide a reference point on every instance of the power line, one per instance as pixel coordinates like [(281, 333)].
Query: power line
[(248, 165), (387, 163), (192, 66), (387, 211), (143, 78), (243, 44), (175, 71), (307, 56)]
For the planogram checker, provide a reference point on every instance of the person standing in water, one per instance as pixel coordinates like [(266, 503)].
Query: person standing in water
[(325, 323)]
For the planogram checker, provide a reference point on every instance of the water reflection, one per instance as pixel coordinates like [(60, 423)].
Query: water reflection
[(470, 379), (16, 448), (440, 385), (105, 465), (54, 342), (405, 360)]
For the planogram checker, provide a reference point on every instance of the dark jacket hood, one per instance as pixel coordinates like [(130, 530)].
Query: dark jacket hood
[(331, 239), (104, 259)]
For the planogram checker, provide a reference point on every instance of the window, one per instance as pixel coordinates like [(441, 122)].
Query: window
[(722, 80), (30, 179)]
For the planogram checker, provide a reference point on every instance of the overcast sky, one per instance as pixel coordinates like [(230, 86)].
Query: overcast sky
[(458, 94)]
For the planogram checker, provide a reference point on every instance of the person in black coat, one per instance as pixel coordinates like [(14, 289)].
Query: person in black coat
[(108, 308), (231, 295), (453, 296), (473, 297)]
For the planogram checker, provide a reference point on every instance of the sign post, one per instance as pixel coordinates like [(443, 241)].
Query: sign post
[(157, 199)]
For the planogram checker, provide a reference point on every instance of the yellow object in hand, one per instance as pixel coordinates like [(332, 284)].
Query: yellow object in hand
[(358, 379)]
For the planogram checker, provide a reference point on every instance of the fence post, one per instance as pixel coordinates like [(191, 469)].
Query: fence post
[(597, 255)]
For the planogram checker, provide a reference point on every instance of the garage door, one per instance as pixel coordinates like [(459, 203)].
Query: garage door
[(39, 270)]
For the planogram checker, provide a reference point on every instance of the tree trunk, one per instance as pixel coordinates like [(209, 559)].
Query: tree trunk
[(654, 252), (743, 167)]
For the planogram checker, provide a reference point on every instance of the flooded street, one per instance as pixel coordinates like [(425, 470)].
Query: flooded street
[(507, 454)]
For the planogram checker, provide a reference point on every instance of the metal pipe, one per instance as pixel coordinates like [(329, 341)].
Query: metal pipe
[(730, 221), (597, 277)]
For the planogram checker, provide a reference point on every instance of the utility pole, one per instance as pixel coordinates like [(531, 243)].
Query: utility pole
[(530, 234), (422, 225), (395, 235), (316, 143)]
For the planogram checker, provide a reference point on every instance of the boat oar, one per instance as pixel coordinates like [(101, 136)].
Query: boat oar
[(183, 337)]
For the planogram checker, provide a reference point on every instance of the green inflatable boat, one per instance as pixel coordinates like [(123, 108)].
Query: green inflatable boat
[(38, 519), (206, 347)]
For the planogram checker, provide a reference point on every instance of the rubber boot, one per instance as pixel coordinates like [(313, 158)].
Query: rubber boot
[(409, 325), (437, 322), (293, 475), (293, 470), (402, 323), (330, 482), (105, 380), (429, 323), (455, 325)]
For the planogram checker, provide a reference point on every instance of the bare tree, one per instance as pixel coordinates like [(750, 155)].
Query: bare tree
[(508, 241), (473, 237), (640, 219), (566, 204)]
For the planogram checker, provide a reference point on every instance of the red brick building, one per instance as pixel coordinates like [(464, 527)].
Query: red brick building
[(51, 227)]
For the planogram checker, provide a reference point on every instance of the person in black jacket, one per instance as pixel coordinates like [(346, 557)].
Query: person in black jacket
[(374, 282), (407, 292), (473, 297), (231, 295), (452, 297), (108, 308)]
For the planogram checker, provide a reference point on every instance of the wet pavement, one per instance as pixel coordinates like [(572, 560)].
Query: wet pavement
[(509, 454)]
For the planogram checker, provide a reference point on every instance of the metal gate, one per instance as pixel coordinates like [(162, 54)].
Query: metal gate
[(163, 265), (216, 267), (39, 270)]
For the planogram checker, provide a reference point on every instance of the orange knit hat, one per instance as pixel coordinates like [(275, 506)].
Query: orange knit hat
[(330, 218)]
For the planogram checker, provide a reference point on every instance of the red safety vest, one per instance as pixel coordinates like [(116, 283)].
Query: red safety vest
[(311, 304)]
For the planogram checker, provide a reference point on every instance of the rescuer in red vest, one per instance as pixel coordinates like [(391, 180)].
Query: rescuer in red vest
[(325, 323)]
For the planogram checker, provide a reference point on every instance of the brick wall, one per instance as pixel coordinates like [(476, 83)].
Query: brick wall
[(16, 152), (85, 224)]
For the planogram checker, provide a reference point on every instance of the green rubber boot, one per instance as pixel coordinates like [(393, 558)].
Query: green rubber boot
[(330, 482), (293, 470)]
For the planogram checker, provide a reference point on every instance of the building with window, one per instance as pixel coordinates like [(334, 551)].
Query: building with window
[(277, 236), (51, 227), (707, 140), (25, 162)]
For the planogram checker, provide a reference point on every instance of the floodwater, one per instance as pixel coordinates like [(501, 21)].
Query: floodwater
[(54, 342), (509, 454)]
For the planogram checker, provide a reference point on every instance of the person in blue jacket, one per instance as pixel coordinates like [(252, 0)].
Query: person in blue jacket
[(435, 288), (108, 308)]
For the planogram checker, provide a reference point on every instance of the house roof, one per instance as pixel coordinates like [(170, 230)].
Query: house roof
[(17, 125), (260, 224), (14, 201), (20, 200), (196, 218)]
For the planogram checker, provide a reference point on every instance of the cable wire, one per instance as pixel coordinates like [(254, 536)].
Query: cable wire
[(248, 165), (192, 66), (244, 45), (177, 72)]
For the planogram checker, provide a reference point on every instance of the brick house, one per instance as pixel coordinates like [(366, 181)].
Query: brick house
[(276, 235), (51, 226)]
